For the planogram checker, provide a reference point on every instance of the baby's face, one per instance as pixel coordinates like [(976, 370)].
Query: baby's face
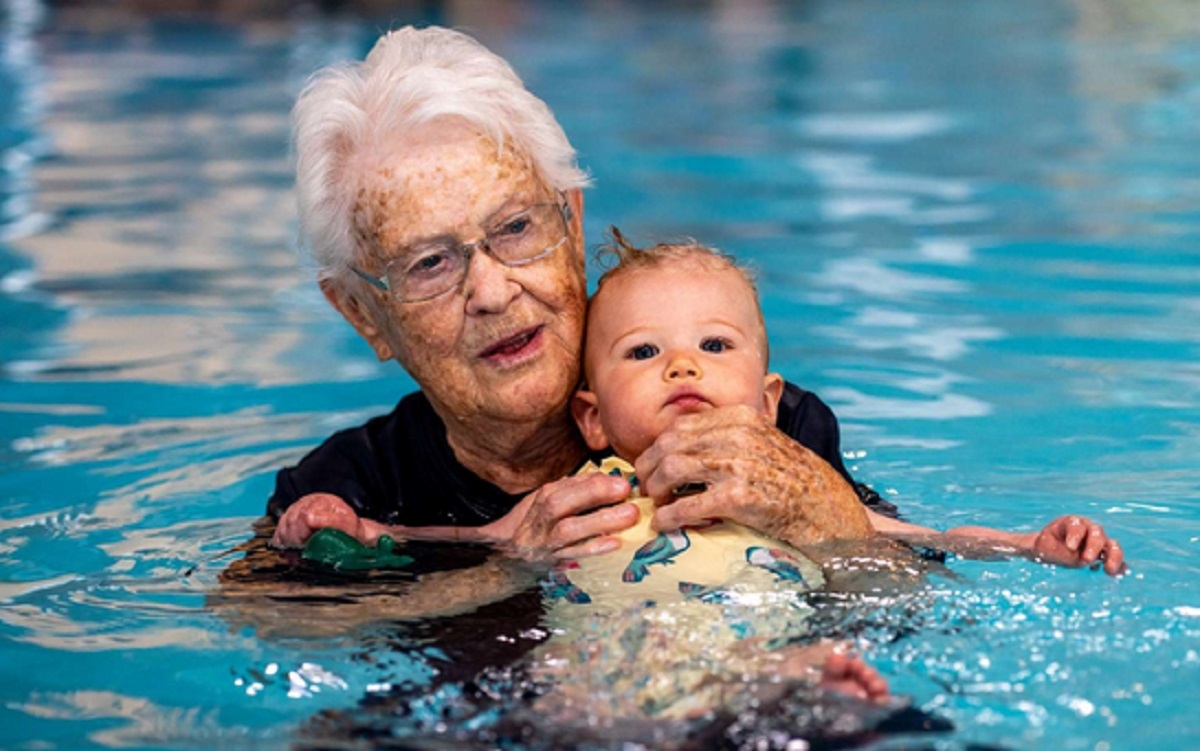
[(669, 341)]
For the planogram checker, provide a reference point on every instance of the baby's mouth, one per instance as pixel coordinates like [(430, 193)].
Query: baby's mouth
[(687, 399)]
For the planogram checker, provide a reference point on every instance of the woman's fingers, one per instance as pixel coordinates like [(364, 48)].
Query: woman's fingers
[(590, 547), (564, 514), (750, 473)]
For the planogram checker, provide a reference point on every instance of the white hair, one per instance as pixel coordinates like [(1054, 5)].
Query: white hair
[(410, 77)]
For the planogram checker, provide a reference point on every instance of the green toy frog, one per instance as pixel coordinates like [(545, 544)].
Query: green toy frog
[(342, 552)]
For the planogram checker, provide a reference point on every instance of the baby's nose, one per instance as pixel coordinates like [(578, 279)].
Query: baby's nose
[(682, 367)]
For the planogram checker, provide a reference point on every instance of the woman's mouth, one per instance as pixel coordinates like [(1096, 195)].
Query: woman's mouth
[(513, 347)]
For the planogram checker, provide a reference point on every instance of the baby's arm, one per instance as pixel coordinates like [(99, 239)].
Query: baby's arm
[(568, 518), (1067, 541), (312, 512), (319, 510)]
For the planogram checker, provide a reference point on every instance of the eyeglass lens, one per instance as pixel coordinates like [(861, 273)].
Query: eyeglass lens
[(426, 271)]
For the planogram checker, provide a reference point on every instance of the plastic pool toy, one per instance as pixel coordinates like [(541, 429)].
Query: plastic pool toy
[(340, 551)]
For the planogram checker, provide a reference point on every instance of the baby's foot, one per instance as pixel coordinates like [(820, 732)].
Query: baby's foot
[(853, 677)]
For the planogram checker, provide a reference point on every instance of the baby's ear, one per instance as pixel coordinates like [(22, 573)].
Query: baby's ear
[(772, 393), (586, 412)]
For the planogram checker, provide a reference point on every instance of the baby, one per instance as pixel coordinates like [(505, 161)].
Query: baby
[(677, 329), (673, 330)]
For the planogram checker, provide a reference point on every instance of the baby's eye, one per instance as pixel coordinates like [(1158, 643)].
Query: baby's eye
[(716, 344), (641, 352)]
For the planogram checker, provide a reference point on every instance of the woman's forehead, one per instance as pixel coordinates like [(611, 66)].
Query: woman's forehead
[(448, 150), (440, 180)]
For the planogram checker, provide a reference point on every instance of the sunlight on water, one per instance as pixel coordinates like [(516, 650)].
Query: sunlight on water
[(975, 228)]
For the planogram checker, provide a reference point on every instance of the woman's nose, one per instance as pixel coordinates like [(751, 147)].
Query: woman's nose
[(682, 367), (488, 286)]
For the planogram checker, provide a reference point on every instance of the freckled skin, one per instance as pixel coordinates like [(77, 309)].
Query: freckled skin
[(506, 418)]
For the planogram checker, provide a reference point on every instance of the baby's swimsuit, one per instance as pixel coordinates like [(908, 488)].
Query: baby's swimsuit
[(685, 564), (664, 624)]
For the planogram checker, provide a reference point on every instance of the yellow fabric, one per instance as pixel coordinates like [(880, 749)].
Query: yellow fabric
[(684, 565), (676, 642)]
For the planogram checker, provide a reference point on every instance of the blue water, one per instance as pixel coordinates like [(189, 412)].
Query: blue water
[(977, 227)]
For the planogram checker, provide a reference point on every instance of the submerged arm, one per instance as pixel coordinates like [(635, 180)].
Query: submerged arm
[(268, 591)]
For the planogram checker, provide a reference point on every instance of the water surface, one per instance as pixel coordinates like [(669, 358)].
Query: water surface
[(976, 229)]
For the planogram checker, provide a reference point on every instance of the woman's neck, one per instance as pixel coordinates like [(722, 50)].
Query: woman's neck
[(517, 457)]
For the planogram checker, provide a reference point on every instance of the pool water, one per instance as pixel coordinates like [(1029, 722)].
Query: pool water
[(977, 229)]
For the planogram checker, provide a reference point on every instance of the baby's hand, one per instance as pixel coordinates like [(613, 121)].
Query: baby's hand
[(312, 512), (1077, 541), (851, 676)]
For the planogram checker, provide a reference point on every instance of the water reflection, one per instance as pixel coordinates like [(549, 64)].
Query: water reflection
[(172, 244), (22, 98), (976, 229)]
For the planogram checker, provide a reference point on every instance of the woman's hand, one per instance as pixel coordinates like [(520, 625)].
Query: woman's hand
[(568, 518), (752, 474), (550, 523)]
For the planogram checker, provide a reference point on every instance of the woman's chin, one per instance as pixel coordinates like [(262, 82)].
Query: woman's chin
[(535, 398)]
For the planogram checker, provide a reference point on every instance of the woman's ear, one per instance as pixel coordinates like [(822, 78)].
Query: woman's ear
[(575, 204), (585, 410), (772, 393), (574, 198), (360, 315)]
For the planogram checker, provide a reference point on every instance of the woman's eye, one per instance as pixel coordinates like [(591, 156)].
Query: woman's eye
[(715, 344), (514, 227), (641, 352), (430, 262)]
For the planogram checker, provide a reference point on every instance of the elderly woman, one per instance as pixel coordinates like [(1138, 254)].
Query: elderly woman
[(443, 204)]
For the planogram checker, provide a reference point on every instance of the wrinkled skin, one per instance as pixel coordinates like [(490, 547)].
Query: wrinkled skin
[(755, 475), (554, 522), (498, 356)]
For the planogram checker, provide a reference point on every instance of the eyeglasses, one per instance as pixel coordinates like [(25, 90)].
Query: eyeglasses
[(423, 272)]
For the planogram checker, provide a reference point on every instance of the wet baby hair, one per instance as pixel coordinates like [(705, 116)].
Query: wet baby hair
[(619, 257)]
